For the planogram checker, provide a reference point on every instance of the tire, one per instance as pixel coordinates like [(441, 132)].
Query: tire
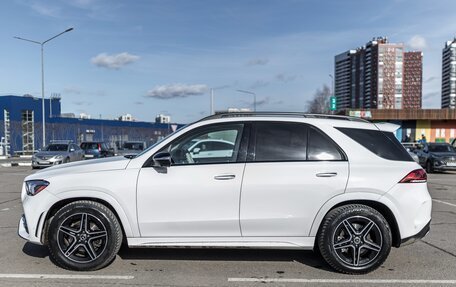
[(76, 247), (429, 168), (346, 244), (66, 160)]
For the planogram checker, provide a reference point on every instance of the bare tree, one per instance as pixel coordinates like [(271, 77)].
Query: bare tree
[(319, 104)]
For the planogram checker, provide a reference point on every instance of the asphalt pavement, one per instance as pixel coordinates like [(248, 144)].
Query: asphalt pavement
[(428, 262)]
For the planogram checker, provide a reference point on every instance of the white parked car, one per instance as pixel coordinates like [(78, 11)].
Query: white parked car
[(340, 185), (211, 149)]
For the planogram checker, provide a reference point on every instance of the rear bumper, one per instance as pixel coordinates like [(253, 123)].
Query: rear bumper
[(444, 168), (419, 235)]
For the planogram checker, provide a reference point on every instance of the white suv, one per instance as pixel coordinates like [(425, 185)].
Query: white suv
[(340, 185)]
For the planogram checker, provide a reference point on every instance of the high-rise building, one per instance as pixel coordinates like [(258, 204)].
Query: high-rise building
[(413, 80), (342, 79), (449, 75), (381, 76)]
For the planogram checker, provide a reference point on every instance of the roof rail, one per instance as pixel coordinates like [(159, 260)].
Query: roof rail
[(281, 114)]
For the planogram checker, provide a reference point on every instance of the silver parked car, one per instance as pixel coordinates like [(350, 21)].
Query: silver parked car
[(57, 153)]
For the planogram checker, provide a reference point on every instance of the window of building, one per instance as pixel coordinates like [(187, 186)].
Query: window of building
[(28, 144)]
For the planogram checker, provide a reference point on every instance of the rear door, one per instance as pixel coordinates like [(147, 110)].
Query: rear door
[(292, 170)]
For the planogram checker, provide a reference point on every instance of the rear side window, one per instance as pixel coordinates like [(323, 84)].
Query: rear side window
[(280, 142), (321, 147), (383, 144), (293, 142)]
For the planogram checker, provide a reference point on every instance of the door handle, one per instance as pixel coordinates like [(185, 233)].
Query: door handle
[(326, 174), (224, 177)]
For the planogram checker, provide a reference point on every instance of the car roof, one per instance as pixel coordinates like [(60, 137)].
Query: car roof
[(282, 115)]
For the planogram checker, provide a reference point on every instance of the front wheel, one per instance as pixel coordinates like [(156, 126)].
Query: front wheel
[(84, 235), (354, 239)]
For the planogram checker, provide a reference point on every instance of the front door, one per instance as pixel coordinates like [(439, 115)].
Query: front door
[(195, 196)]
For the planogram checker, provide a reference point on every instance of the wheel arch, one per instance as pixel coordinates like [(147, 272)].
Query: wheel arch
[(125, 226), (379, 206)]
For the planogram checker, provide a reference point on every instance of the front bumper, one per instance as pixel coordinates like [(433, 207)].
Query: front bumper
[(419, 235), (22, 229), (45, 163)]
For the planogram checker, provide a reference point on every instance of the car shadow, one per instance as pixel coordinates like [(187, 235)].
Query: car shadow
[(34, 250), (308, 258)]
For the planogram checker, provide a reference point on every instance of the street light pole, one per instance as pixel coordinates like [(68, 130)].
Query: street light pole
[(212, 101), (250, 93), (332, 88), (42, 76)]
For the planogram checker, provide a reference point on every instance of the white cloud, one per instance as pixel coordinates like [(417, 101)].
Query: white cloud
[(72, 90), (114, 61), (417, 42), (257, 62), (177, 91), (45, 10)]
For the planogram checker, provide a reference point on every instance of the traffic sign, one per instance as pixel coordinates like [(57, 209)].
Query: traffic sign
[(332, 103)]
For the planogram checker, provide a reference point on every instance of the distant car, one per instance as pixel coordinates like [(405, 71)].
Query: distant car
[(97, 150), (437, 157), (211, 148), (132, 148), (411, 147), (57, 153)]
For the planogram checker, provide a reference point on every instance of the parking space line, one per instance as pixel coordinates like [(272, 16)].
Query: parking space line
[(444, 202), (63, 276), (342, 281)]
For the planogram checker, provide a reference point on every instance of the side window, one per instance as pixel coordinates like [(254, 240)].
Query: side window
[(280, 141), (383, 144), (213, 144), (321, 147)]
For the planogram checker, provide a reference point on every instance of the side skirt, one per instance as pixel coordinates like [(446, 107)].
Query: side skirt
[(303, 243)]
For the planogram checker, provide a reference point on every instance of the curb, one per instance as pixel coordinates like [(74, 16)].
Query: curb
[(11, 164)]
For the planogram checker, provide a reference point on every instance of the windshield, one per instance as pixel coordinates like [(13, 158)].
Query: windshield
[(89, 145), (441, 148), (134, 146), (56, 147)]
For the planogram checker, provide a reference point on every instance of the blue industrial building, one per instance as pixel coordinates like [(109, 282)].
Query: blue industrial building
[(21, 126)]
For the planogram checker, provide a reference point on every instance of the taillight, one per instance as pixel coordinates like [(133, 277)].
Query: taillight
[(416, 176), (99, 147)]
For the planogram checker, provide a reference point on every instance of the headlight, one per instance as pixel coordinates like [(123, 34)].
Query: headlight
[(32, 187), (58, 157)]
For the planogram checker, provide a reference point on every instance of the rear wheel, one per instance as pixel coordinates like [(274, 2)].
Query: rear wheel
[(354, 239), (84, 235), (429, 168)]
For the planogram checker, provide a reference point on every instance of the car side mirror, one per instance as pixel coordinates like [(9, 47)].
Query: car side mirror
[(196, 150), (162, 159)]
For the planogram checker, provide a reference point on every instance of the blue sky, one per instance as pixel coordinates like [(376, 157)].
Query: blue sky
[(150, 57)]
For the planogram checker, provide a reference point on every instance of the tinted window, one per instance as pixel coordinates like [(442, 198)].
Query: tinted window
[(383, 144), (321, 147), (89, 145), (441, 148), (57, 147), (280, 142), (214, 144)]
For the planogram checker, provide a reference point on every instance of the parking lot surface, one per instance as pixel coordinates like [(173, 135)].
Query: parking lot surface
[(429, 262)]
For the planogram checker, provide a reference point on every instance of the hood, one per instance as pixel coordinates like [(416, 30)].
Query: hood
[(83, 166), (443, 154)]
